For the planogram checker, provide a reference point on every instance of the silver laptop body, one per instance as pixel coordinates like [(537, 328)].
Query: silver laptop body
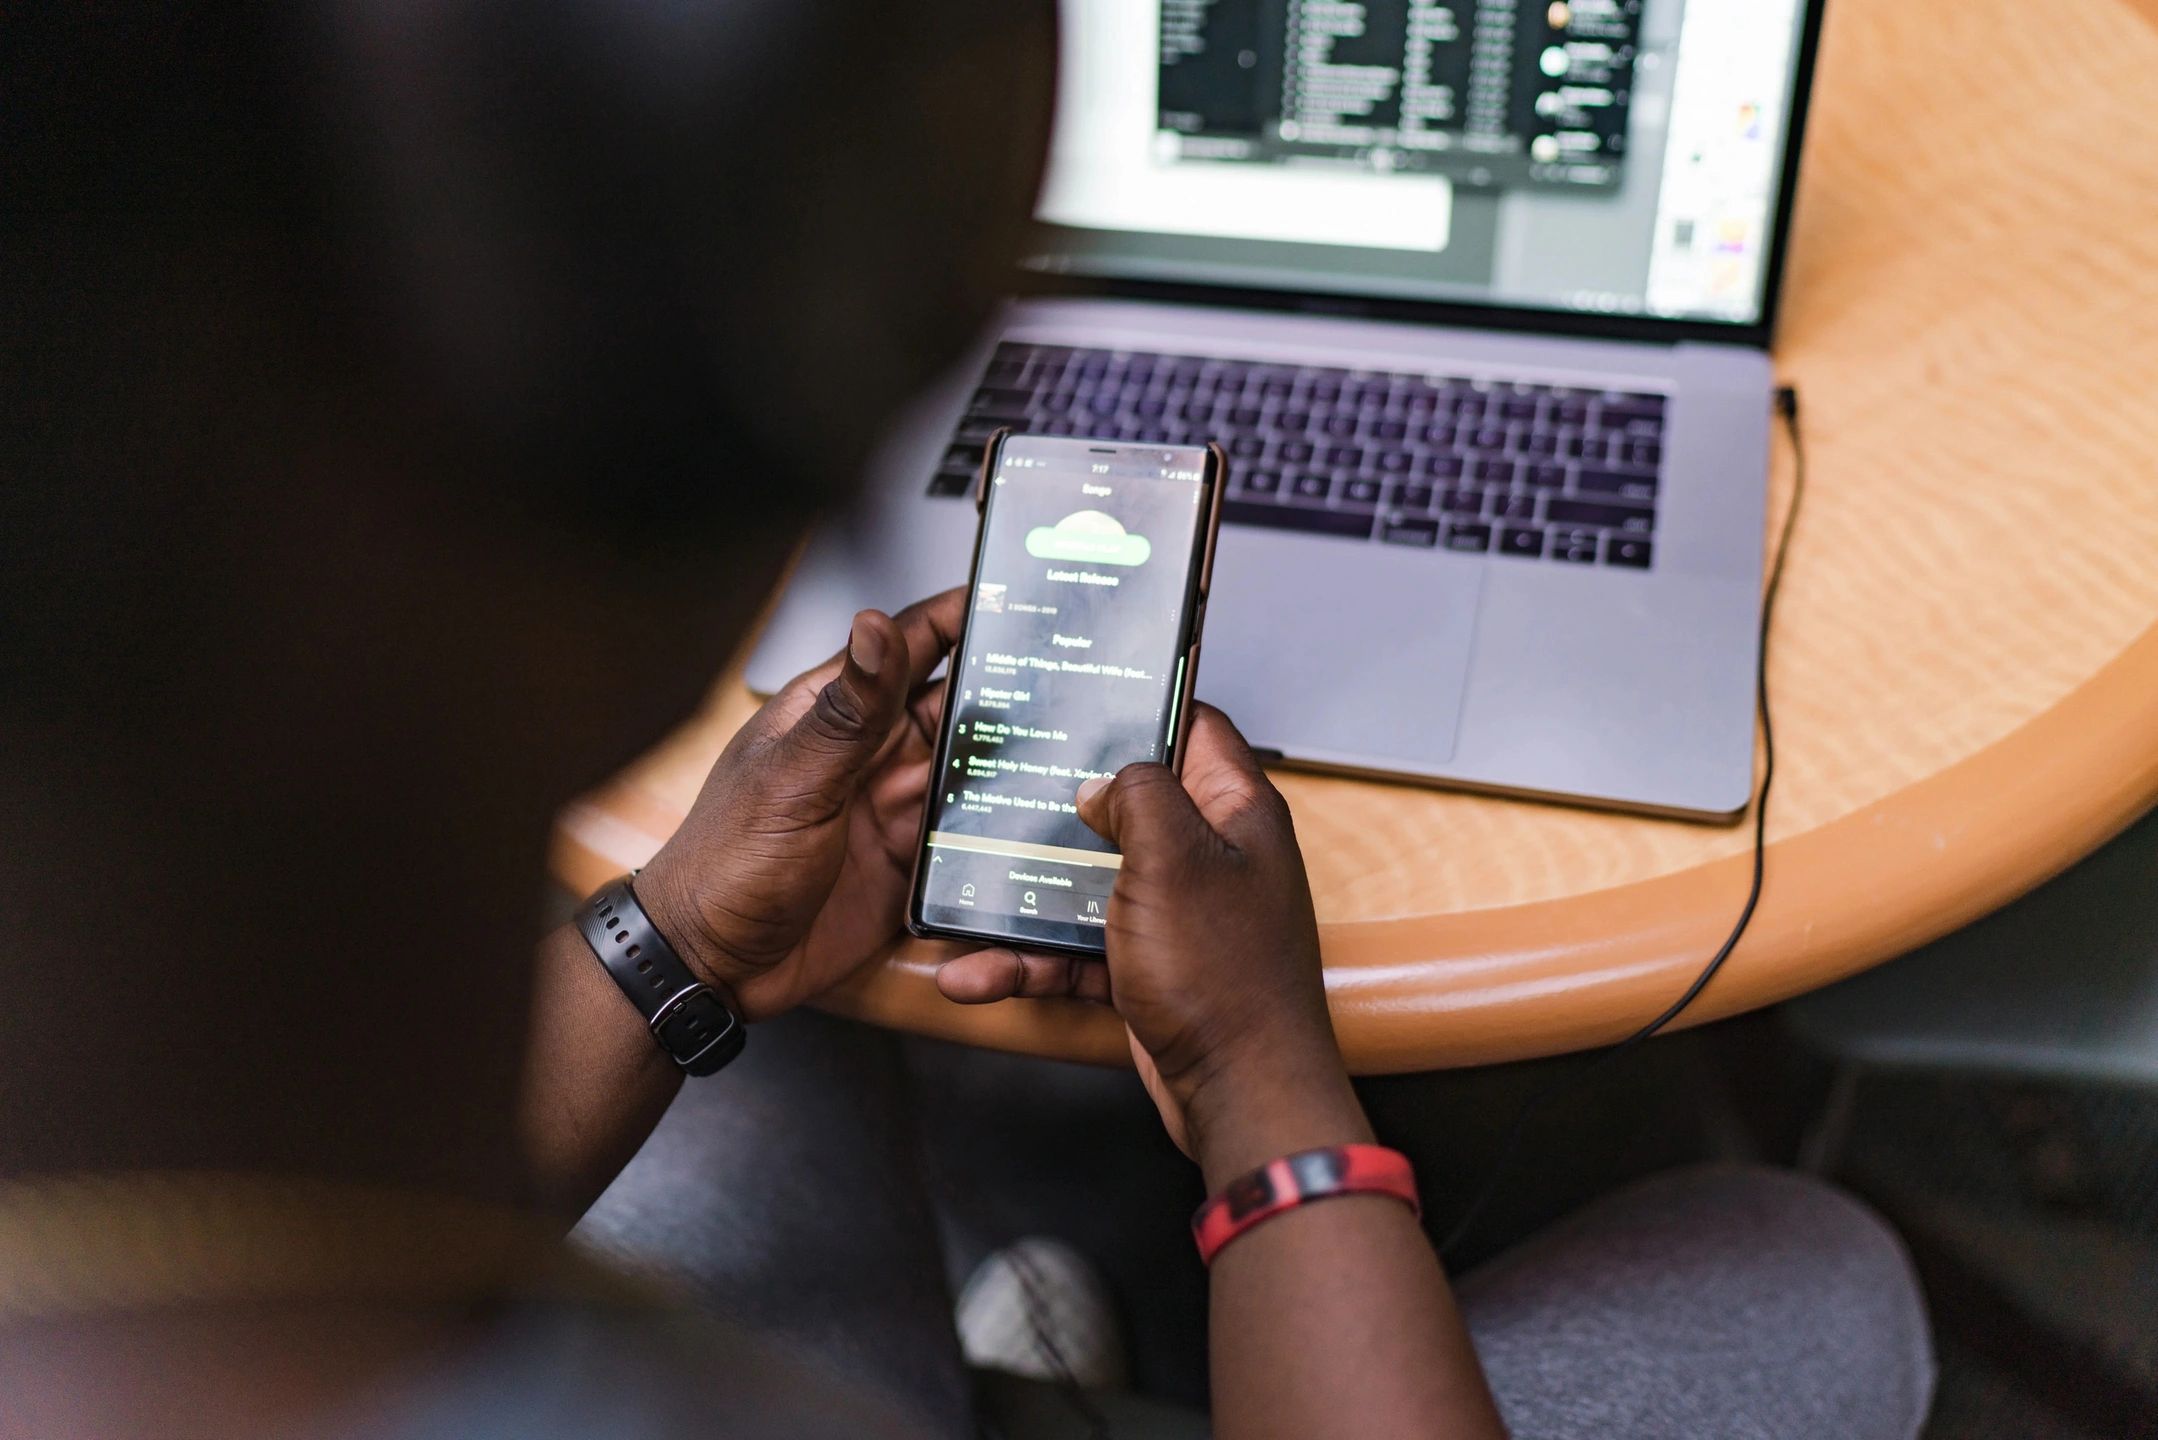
[(1620, 684)]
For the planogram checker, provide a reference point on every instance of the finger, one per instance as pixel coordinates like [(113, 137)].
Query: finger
[(1225, 780), (838, 736), (916, 735), (1142, 810), (986, 976), (931, 628), (926, 706)]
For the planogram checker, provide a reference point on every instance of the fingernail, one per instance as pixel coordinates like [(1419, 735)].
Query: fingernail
[(1089, 788), (866, 646)]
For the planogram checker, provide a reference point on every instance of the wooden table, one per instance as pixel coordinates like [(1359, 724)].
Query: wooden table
[(1965, 664)]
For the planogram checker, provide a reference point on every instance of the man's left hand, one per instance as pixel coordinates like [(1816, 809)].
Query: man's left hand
[(791, 870)]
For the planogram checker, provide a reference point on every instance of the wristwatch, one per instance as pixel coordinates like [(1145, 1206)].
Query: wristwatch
[(687, 1017)]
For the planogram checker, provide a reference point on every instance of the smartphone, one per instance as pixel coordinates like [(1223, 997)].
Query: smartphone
[(1077, 658)]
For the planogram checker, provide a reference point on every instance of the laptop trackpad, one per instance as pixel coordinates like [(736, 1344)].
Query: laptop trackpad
[(1340, 652)]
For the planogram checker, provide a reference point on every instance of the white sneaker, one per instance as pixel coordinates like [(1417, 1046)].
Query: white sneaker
[(1040, 1309)]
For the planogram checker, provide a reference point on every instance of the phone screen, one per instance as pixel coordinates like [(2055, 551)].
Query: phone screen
[(1085, 608)]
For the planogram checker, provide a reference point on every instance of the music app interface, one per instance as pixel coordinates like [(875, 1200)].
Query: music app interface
[(1071, 666)]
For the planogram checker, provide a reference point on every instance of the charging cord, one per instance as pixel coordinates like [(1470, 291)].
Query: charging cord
[(1787, 410)]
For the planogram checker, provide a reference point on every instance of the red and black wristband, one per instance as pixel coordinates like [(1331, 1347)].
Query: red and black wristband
[(1282, 1185)]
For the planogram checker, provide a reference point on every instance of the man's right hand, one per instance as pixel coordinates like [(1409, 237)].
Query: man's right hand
[(1331, 1321), (1213, 957)]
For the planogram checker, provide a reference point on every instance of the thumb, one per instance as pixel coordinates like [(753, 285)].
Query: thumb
[(837, 737), (1142, 810)]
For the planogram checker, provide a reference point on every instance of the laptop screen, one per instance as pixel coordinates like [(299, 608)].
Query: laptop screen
[(1606, 156)]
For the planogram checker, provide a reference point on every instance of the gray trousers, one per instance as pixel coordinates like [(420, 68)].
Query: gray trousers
[(1721, 1302)]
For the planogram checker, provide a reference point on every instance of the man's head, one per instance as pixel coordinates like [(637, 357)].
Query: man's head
[(415, 402)]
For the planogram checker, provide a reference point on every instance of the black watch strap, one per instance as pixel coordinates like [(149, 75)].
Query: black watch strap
[(687, 1017)]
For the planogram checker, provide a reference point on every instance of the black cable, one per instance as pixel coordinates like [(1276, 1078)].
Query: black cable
[(1787, 410), (1065, 1381)]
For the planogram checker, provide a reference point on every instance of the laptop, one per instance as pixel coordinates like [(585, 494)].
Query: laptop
[(1478, 298)]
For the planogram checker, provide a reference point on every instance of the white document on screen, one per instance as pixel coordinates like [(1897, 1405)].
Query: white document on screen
[(1111, 166)]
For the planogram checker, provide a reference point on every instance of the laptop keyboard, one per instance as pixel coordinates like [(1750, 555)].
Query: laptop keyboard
[(1439, 461)]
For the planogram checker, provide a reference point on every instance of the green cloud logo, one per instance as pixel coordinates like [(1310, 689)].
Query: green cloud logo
[(1088, 537)]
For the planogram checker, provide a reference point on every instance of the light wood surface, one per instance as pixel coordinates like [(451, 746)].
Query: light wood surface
[(1965, 664)]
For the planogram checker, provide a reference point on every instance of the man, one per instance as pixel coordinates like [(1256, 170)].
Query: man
[(411, 407)]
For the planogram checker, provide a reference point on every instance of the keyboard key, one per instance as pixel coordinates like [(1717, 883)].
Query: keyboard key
[(1576, 547), (1296, 452), (994, 400), (1466, 538), (1243, 447), (1617, 484), (1353, 523), (1409, 530), (1628, 550), (1441, 436), (1344, 457), (1312, 486), (1643, 452), (1463, 502), (1561, 511), (1521, 540), (1415, 497), (1491, 471), (1361, 492), (1389, 430), (1627, 403), (949, 482), (1392, 462), (1261, 482), (1341, 427), (1507, 505), (1544, 476)]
